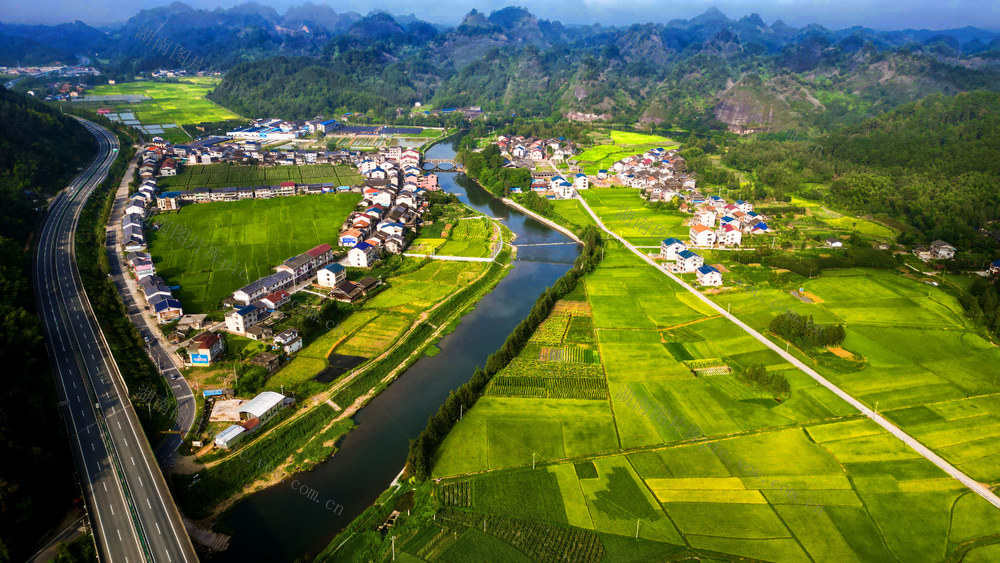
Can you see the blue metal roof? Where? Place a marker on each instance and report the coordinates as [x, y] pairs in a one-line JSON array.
[[686, 254], [707, 270], [672, 240]]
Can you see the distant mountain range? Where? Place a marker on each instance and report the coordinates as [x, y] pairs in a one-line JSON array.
[[708, 71]]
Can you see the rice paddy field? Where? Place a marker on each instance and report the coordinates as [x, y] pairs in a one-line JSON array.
[[233, 175], [623, 144], [598, 428], [379, 322], [213, 249], [173, 105], [471, 237], [623, 211], [912, 354]]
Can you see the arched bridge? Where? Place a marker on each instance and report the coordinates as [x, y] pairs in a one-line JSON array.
[[442, 165]]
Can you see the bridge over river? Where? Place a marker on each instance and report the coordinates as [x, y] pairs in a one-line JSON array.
[[442, 165]]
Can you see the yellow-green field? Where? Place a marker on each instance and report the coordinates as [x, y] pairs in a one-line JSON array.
[[181, 103], [624, 144]]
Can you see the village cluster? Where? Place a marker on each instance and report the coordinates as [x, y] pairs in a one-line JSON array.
[[394, 200]]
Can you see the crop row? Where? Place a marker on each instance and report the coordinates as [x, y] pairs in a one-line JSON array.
[[551, 330], [569, 354], [540, 541], [456, 494], [705, 363], [548, 387], [537, 368]]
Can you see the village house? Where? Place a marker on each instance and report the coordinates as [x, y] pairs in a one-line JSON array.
[[688, 261], [166, 309], [363, 255], [331, 275], [206, 348], [289, 340], [728, 235], [265, 285], [709, 276], [240, 319], [700, 235], [942, 250], [671, 247], [276, 300]]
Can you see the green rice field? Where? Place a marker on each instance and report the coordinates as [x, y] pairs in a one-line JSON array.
[[213, 249], [234, 175], [380, 321], [599, 426], [625, 144], [181, 103], [623, 211]]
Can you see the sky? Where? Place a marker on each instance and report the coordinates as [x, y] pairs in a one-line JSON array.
[[878, 14]]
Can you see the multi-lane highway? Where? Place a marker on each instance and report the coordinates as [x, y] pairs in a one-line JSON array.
[[132, 513]]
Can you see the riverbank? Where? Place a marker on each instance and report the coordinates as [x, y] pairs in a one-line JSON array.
[[541, 219], [280, 523]]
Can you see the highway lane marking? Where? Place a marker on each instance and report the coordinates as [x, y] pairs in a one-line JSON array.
[[105, 486], [92, 447], [117, 530], [149, 505], [157, 527], [119, 424], [113, 513], [140, 484], [132, 458]]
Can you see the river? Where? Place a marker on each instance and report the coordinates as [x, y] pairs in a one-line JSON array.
[[283, 524]]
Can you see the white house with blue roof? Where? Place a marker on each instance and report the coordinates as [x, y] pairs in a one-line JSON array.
[[671, 247], [363, 255], [581, 182], [688, 261], [709, 276]]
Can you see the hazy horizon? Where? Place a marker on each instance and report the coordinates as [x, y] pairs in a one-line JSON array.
[[892, 15]]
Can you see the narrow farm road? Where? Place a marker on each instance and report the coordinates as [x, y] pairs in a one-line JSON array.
[[937, 460]]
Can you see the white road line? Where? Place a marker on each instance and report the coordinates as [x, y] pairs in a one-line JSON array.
[[105, 486], [113, 513], [158, 528], [921, 449], [119, 424], [147, 503], [117, 530], [133, 460], [92, 448]]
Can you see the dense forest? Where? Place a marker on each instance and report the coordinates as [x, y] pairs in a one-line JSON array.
[[40, 150], [933, 165]]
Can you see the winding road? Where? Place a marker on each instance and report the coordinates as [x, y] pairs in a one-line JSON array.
[[921, 449], [132, 513]]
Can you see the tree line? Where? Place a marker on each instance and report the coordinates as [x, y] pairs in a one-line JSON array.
[[804, 332], [486, 168], [418, 460]]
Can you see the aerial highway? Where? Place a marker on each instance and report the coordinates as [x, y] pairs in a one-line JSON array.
[[132, 513]]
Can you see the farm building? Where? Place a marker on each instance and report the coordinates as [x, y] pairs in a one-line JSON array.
[[263, 406], [229, 437]]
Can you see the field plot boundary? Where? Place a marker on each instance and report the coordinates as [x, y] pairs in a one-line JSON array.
[[937, 460]]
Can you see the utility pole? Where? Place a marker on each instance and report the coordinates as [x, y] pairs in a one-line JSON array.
[[636, 528], [393, 548], [461, 411], [532, 460]]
